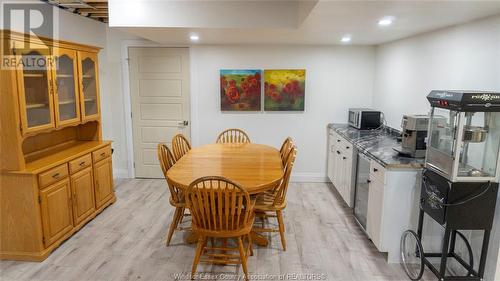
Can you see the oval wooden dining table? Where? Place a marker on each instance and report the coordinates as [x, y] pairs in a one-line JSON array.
[[256, 167]]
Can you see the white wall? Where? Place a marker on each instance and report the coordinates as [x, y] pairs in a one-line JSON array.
[[461, 57], [87, 31], [113, 99], [336, 78]]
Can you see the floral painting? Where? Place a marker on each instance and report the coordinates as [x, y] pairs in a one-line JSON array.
[[284, 89], [240, 89]]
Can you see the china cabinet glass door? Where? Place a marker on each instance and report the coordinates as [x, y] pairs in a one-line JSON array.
[[35, 88], [89, 86], [66, 85]]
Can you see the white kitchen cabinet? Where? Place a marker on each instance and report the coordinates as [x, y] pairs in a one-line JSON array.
[[375, 208], [337, 173], [347, 180], [331, 157], [332, 148], [392, 207], [341, 166]]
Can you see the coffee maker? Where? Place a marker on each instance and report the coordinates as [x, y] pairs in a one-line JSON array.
[[414, 136]]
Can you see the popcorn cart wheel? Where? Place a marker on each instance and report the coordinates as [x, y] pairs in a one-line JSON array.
[[414, 257]]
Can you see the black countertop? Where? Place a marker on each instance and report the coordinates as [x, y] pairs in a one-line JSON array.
[[378, 144]]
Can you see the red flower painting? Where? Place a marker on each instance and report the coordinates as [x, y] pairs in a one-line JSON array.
[[240, 90], [284, 89]]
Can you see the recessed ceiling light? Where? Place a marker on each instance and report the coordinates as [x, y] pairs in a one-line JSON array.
[[346, 39], [386, 21], [194, 37]]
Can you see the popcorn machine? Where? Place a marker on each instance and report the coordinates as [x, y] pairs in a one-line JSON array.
[[459, 181]]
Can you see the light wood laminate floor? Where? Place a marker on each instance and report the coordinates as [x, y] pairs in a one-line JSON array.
[[127, 242]]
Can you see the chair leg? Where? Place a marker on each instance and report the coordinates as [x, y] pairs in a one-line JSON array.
[[197, 255], [281, 225], [250, 247], [243, 257], [182, 215], [173, 225]]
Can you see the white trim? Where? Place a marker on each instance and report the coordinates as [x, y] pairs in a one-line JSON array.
[[193, 77], [309, 177], [127, 103]]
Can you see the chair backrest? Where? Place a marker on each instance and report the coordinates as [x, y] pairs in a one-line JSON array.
[[233, 136], [218, 204], [180, 146], [285, 149], [283, 187], [167, 160]]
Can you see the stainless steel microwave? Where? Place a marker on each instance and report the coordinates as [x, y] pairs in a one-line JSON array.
[[364, 118]]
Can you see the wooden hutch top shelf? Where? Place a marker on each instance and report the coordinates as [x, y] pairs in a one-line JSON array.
[[75, 150], [51, 112]]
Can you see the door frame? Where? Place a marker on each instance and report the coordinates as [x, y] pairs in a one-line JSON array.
[[127, 99]]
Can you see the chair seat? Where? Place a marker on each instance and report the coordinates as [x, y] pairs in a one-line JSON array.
[[242, 228]]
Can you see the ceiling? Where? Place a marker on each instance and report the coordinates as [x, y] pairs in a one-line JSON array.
[[309, 22], [94, 9]]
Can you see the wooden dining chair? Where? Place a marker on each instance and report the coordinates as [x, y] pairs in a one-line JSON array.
[[222, 209], [180, 146], [167, 160], [275, 201], [233, 136], [285, 149]]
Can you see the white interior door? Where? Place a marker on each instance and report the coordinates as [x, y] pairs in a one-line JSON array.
[[159, 88]]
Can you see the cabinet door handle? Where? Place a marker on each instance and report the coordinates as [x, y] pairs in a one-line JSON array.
[[338, 140], [82, 163], [338, 152], [103, 154], [343, 157], [368, 181], [347, 147], [56, 175], [375, 169]]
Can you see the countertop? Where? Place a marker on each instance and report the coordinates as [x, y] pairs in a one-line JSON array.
[[378, 144]]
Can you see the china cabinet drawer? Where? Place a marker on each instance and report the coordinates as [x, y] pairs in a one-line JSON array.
[[53, 175], [101, 154], [80, 163]]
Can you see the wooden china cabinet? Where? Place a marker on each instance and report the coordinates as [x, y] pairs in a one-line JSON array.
[[55, 169]]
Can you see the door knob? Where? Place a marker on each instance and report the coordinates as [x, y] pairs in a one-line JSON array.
[[184, 123]]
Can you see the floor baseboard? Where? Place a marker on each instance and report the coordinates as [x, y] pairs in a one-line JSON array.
[[120, 173], [308, 177]]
